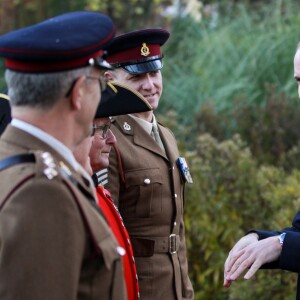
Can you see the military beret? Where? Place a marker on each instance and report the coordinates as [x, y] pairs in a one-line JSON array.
[[120, 99], [139, 51], [5, 113], [64, 42]]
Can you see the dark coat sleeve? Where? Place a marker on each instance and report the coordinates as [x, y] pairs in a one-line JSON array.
[[290, 256]]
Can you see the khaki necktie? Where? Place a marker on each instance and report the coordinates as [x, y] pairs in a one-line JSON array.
[[156, 136]]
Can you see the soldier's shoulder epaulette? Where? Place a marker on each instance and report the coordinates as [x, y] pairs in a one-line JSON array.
[[46, 165], [18, 169], [41, 163]]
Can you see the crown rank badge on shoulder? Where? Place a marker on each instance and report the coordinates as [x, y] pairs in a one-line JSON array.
[[184, 169]]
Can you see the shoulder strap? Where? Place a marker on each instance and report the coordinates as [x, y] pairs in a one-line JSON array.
[[30, 158], [16, 159]]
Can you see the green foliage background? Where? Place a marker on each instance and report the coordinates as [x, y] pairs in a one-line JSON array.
[[230, 97], [231, 195]]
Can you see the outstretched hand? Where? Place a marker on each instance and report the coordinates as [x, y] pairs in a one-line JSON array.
[[251, 253]]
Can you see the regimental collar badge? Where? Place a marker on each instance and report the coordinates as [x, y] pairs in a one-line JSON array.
[[126, 126], [145, 50]]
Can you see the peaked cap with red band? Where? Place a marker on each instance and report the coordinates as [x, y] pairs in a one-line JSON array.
[[138, 52], [61, 43]]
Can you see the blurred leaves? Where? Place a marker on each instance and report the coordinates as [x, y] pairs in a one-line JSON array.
[[230, 63], [270, 129], [127, 15], [232, 194]]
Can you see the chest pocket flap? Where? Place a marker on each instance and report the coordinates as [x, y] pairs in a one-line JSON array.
[[143, 177], [144, 191]]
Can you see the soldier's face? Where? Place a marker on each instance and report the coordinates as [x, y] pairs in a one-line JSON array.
[[148, 84], [99, 153], [297, 69], [81, 154]]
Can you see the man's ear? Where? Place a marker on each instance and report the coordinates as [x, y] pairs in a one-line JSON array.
[[108, 75], [77, 95]]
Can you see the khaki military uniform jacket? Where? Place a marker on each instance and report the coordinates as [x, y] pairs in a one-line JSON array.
[[149, 191], [53, 244]]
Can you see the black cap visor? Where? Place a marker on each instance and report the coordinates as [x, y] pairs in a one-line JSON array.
[[145, 67], [120, 99]]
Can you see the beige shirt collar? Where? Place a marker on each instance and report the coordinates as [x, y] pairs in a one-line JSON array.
[[147, 126]]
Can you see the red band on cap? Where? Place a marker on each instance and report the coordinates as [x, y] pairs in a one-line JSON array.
[[134, 53], [42, 66]]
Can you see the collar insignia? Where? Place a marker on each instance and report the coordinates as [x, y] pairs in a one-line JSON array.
[[126, 126]]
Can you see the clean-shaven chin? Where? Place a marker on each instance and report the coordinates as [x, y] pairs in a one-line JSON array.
[[153, 100]]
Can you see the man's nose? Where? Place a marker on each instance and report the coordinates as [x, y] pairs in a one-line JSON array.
[[111, 139], [148, 82]]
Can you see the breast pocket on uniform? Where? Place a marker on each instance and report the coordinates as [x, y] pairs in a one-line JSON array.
[[146, 186]]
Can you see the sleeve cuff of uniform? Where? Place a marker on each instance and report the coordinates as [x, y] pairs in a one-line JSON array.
[[290, 255]]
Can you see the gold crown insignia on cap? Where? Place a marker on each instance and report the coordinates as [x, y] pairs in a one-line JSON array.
[[145, 50]]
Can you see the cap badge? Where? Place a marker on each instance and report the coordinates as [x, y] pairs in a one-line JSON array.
[[126, 126], [145, 50]]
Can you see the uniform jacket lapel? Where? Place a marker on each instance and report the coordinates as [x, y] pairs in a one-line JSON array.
[[168, 140], [140, 136]]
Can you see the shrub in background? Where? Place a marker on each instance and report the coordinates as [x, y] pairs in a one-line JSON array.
[[232, 194], [236, 77], [270, 129], [230, 63]]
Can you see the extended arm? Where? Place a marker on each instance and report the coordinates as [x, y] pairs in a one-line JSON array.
[[250, 254]]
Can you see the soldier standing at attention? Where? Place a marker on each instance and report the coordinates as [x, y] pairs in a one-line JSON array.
[[146, 175], [54, 243]]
